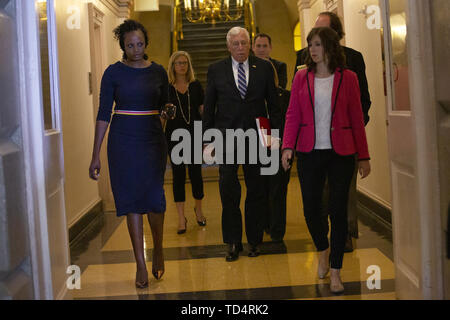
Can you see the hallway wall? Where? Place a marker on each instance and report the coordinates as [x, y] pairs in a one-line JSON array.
[[158, 24], [78, 121], [368, 42], [273, 18]]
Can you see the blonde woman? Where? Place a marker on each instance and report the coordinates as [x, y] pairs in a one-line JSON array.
[[187, 94]]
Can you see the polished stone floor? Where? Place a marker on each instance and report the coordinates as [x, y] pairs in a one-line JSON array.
[[195, 266]]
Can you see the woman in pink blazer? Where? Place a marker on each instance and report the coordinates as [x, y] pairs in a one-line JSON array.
[[324, 124]]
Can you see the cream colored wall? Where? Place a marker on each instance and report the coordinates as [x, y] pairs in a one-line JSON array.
[[158, 24], [368, 42], [81, 193], [317, 7], [309, 15], [273, 18]]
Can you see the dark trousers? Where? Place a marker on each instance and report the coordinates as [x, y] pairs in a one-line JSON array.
[[276, 196], [179, 181], [352, 208], [313, 169], [230, 194]]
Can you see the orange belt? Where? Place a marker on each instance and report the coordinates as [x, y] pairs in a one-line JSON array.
[[137, 113]]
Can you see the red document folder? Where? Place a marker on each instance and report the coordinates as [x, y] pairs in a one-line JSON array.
[[263, 127]]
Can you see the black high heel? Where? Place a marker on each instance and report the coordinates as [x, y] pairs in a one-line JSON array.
[[181, 231], [200, 223], [156, 273]]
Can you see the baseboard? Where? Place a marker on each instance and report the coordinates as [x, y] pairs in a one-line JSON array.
[[79, 227], [375, 211]]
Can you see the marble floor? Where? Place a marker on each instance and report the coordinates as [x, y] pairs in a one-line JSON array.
[[195, 266]]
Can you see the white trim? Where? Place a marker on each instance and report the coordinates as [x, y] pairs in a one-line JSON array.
[[421, 80], [374, 197], [53, 69], [313, 2], [33, 146], [63, 293], [84, 211]]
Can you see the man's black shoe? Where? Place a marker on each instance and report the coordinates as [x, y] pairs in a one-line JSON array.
[[254, 251], [233, 252]]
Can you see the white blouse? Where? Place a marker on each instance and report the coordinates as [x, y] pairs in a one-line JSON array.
[[323, 88]]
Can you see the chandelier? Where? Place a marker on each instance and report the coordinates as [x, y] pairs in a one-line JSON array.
[[211, 10]]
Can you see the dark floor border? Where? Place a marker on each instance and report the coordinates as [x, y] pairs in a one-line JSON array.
[[374, 211], [82, 225], [319, 290], [207, 251]]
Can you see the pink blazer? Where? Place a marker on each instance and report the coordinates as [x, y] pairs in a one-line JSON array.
[[348, 135]]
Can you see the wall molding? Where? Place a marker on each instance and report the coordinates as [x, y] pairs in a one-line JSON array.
[[82, 225], [303, 4], [374, 197], [375, 211], [121, 8]]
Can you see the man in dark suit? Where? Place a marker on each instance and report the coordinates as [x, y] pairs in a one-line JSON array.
[[355, 62], [237, 91], [276, 185], [262, 48]]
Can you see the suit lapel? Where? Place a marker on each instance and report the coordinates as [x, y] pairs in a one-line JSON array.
[[251, 75], [230, 75], [310, 80]]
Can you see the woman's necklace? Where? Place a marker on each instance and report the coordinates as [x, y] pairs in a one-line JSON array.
[[188, 121]]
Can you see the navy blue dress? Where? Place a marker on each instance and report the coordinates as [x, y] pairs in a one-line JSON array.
[[137, 149]]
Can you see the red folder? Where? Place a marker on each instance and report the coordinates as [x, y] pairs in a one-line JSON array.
[[263, 127]]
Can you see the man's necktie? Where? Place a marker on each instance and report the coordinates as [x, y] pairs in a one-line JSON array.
[[242, 81]]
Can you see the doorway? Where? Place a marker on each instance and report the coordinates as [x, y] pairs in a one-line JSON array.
[[96, 37]]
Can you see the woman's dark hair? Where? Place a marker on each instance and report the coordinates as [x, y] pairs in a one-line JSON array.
[[333, 51], [129, 26], [335, 23]]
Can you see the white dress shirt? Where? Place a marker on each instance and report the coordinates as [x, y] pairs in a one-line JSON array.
[[235, 71], [323, 89]]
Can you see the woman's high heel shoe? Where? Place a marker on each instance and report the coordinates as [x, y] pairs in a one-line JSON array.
[[181, 231], [141, 284], [157, 273], [200, 223]]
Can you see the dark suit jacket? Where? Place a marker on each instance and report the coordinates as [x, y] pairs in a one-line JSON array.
[[281, 72], [223, 106], [355, 62]]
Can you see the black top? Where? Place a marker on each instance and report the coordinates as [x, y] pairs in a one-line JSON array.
[[196, 96], [355, 62]]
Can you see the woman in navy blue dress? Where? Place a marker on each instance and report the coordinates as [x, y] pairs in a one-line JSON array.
[[137, 150]]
